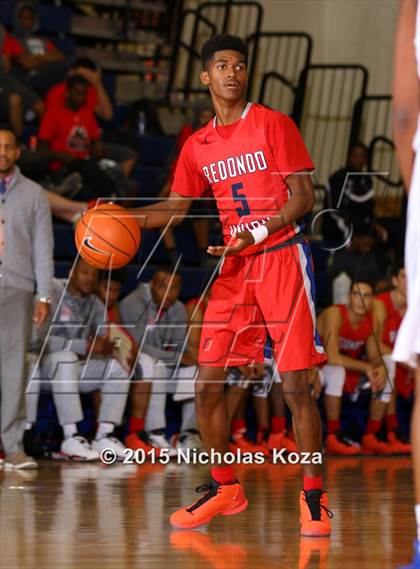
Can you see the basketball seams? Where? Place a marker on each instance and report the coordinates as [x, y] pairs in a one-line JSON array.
[[86, 227], [105, 240], [125, 226]]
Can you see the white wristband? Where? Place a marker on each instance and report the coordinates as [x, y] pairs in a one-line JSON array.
[[259, 234]]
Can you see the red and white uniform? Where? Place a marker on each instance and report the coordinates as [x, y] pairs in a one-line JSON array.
[[246, 165], [403, 381], [352, 343]]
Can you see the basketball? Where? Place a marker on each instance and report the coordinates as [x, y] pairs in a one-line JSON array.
[[107, 237]]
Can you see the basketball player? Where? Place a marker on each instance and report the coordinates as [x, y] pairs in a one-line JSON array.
[[257, 166], [407, 138], [348, 333], [390, 308]]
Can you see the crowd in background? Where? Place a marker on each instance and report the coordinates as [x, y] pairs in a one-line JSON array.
[[65, 345]]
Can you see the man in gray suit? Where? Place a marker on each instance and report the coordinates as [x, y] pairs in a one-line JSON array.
[[26, 268]]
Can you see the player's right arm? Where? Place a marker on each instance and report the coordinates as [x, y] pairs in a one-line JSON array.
[[329, 327], [406, 90], [188, 183], [169, 212]]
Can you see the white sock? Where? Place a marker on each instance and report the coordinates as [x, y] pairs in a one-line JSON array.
[[69, 430], [104, 430], [417, 511], [28, 426]]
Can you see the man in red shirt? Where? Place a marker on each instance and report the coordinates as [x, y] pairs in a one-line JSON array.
[[96, 99], [71, 134], [98, 102], [257, 166], [351, 337]]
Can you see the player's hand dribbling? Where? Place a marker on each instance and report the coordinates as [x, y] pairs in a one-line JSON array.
[[237, 244]]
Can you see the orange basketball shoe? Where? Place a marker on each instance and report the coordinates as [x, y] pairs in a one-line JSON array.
[[281, 440], [246, 445], [337, 443], [224, 499], [140, 441], [371, 444], [314, 514], [398, 442]]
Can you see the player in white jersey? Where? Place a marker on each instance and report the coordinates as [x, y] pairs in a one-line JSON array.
[[407, 139]]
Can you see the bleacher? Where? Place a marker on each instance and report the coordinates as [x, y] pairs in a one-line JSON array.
[[152, 49]]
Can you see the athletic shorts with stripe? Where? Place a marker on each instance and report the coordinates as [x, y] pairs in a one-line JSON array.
[[271, 293]]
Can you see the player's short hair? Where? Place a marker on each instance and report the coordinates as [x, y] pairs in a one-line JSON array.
[[362, 280], [76, 80], [358, 144], [167, 270], [397, 266], [28, 7], [84, 62], [117, 276], [221, 42]]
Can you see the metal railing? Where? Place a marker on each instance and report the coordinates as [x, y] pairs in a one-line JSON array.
[[196, 27], [372, 125], [279, 60], [323, 110]]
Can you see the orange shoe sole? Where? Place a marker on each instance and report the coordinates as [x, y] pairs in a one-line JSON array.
[[237, 510]]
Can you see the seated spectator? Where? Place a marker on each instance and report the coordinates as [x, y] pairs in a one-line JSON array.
[[15, 98], [37, 62], [109, 291], [359, 257], [158, 322], [71, 134], [390, 308], [98, 101], [350, 191], [75, 357], [202, 115], [355, 363]]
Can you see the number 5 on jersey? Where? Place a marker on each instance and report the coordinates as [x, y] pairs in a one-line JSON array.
[[244, 209]]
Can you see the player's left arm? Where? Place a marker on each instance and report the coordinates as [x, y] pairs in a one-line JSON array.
[[301, 200], [378, 375]]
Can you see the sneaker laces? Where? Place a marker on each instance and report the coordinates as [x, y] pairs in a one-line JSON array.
[[211, 491], [80, 439], [313, 499]]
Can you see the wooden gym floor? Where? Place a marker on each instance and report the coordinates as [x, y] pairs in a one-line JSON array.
[[81, 516]]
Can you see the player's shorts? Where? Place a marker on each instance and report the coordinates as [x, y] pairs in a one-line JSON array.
[[271, 293], [260, 387], [404, 382]]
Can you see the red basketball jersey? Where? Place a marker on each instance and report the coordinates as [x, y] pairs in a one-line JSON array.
[[392, 321], [403, 380], [353, 340], [246, 165]]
